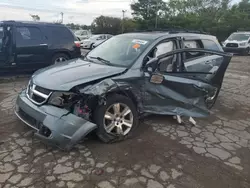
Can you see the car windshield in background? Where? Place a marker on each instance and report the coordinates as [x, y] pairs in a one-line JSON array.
[[81, 32], [119, 50], [239, 37], [94, 36]]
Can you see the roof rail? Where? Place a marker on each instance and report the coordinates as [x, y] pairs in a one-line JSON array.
[[172, 30]]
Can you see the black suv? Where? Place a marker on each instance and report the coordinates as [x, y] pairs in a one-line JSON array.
[[32, 45], [119, 80]]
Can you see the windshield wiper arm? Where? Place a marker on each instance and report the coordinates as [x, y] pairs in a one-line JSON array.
[[101, 59]]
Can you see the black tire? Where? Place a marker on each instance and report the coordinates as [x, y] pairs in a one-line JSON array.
[[212, 103], [59, 55], [246, 52], [99, 116], [91, 46]]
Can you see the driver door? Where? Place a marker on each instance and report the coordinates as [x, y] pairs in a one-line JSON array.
[[190, 88]]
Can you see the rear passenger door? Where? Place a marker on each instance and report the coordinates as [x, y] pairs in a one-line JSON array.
[[31, 47]]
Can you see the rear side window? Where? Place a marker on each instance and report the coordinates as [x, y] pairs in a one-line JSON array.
[[192, 44], [210, 45], [59, 33]]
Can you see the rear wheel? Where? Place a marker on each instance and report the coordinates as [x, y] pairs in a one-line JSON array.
[[117, 119], [59, 58]]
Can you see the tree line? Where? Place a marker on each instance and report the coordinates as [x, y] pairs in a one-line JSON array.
[[217, 17]]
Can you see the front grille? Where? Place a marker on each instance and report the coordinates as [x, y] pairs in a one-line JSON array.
[[37, 98], [232, 45], [42, 90], [37, 94], [26, 117]]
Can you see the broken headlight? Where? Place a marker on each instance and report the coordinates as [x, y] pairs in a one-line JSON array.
[[62, 99]]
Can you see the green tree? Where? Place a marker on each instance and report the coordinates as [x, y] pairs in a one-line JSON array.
[[146, 12], [106, 24]]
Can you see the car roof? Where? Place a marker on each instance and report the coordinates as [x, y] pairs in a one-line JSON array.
[[243, 32], [12, 22], [155, 35]]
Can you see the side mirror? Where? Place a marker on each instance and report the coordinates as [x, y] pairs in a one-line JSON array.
[[151, 65]]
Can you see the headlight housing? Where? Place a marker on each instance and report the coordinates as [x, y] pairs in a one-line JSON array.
[[243, 44], [62, 99]]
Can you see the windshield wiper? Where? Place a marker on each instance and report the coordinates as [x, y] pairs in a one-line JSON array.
[[101, 59]]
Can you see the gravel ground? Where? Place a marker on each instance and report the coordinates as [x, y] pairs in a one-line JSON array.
[[215, 153]]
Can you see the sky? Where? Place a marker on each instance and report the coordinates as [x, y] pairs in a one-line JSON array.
[[75, 11]]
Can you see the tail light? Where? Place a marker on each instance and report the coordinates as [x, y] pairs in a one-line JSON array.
[[78, 44]]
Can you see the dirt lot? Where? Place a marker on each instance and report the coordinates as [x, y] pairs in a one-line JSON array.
[[215, 153]]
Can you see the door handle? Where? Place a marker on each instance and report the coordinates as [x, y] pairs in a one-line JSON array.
[[43, 44], [208, 62]]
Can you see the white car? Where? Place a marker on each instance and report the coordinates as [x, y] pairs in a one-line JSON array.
[[238, 42], [94, 41], [83, 34]]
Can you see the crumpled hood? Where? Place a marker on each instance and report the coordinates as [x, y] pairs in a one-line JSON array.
[[64, 76]]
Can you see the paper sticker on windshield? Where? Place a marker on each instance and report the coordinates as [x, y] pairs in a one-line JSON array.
[[143, 42], [135, 46]]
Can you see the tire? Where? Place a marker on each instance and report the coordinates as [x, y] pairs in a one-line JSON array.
[[246, 52], [212, 103], [61, 56], [99, 114], [91, 46]]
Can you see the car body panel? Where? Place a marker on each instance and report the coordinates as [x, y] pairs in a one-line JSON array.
[[71, 73], [178, 93], [66, 129]]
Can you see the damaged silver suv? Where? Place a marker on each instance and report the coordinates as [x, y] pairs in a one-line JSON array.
[[170, 73]]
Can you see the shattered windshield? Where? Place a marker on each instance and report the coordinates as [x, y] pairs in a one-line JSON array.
[[239, 36], [120, 50]]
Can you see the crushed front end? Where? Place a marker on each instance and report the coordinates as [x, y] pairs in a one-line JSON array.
[[56, 122]]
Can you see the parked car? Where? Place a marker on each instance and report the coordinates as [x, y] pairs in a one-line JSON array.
[[94, 40], [33, 45], [168, 73], [83, 34], [238, 42], [98, 42]]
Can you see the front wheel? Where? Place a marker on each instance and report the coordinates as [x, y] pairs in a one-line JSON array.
[[117, 119]]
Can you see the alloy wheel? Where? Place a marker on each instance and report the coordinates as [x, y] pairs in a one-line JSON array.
[[118, 119]]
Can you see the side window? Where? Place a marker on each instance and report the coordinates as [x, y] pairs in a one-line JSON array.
[[188, 56], [203, 67], [28, 36], [210, 45], [166, 64], [58, 34]]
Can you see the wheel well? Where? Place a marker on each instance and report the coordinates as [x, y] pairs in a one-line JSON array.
[[66, 53], [126, 93]]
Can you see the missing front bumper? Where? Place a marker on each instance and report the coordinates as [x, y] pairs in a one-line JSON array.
[[53, 126]]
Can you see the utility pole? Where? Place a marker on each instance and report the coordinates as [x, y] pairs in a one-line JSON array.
[[156, 17], [123, 15], [62, 16]]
